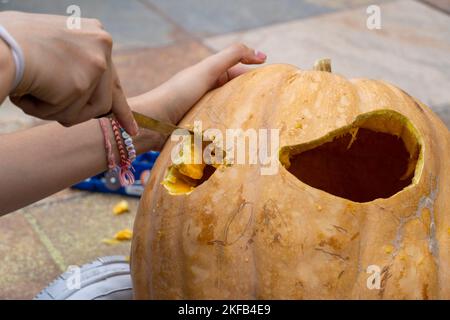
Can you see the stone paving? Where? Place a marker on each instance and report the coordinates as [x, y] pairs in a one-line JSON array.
[[156, 38]]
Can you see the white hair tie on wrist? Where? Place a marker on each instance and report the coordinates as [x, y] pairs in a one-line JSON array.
[[17, 55]]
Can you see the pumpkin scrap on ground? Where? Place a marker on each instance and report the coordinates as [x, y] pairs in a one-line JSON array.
[[122, 235], [110, 241], [121, 207], [363, 184]]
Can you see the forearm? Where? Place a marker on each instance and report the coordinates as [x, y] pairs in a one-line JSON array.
[[7, 70], [45, 159]]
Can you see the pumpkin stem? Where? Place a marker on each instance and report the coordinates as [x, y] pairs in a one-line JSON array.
[[322, 65]]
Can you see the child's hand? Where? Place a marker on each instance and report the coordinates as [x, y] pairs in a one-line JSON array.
[[183, 90], [191, 84]]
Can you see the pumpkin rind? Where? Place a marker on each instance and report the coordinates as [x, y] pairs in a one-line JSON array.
[[243, 235]]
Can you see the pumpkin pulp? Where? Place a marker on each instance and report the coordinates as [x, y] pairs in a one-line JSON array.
[[185, 176]]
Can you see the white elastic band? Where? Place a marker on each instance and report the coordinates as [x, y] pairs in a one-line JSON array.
[[17, 55]]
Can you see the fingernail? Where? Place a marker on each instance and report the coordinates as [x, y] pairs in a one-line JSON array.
[[260, 55]]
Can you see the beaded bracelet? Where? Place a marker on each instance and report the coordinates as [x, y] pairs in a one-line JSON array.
[[128, 144], [126, 176]]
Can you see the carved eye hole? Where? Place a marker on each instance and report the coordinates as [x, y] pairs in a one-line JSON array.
[[374, 157], [184, 177]]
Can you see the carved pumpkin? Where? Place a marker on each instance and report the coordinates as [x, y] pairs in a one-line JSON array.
[[359, 207]]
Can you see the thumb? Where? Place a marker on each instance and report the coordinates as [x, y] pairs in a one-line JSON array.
[[120, 107]]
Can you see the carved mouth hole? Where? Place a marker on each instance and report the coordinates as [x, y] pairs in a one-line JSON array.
[[370, 159]]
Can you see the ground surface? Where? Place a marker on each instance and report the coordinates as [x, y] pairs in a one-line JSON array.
[[156, 38]]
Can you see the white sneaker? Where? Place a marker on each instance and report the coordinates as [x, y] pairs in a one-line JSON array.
[[107, 278]]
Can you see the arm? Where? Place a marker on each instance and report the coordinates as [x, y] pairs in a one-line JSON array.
[[43, 160]]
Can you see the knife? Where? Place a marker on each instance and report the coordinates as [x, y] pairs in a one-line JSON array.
[[146, 122], [165, 128]]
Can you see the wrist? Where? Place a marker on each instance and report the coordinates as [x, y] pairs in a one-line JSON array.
[[153, 103], [159, 103], [7, 68], [17, 36]]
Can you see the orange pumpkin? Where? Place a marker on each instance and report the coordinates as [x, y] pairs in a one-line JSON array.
[[359, 207]]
